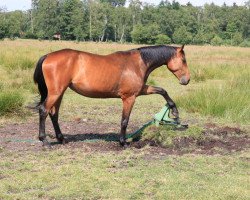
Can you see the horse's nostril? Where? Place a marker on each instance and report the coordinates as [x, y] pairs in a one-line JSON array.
[[184, 80]]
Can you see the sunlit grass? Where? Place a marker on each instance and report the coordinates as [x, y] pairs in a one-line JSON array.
[[228, 100], [11, 102], [74, 174]]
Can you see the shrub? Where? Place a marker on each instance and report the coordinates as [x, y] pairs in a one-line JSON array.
[[162, 39], [216, 41], [245, 43], [145, 34], [237, 39]]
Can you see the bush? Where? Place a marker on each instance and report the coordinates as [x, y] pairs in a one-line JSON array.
[[145, 34], [10, 102], [237, 39], [162, 39], [245, 43], [216, 41], [30, 35]]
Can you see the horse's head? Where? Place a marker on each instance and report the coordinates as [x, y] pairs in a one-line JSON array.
[[178, 66]]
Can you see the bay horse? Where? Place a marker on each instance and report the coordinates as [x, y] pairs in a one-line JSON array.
[[122, 74]]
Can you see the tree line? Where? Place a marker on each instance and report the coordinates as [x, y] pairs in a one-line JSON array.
[[134, 21]]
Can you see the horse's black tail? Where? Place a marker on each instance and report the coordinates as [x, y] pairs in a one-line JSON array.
[[39, 80]]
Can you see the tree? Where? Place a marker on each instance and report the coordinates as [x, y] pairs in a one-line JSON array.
[[111, 20], [182, 36], [46, 22], [15, 21], [72, 20], [3, 24], [114, 3]]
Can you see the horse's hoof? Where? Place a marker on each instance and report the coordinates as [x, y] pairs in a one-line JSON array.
[[125, 144], [176, 114], [61, 139], [46, 144]]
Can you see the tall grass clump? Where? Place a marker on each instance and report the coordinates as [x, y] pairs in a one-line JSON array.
[[11, 102], [229, 100], [166, 135]]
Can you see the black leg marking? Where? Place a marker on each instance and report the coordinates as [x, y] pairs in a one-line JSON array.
[[59, 135], [42, 118]]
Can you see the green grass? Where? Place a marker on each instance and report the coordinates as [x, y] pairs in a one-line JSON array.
[[165, 136], [228, 100], [73, 174], [11, 102]]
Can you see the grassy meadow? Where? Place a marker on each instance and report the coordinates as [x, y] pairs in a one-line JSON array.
[[218, 93]]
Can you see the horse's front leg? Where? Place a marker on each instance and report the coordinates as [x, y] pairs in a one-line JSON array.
[[127, 107], [147, 89]]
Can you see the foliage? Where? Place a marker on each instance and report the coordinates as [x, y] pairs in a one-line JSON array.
[[111, 20], [182, 36], [162, 39], [237, 39], [145, 34], [216, 41]]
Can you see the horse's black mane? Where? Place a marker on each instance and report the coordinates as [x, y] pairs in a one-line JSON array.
[[156, 55]]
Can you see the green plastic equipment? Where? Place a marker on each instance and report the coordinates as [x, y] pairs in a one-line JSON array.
[[162, 118]]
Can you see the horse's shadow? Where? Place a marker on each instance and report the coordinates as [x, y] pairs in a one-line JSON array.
[[109, 137], [90, 137]]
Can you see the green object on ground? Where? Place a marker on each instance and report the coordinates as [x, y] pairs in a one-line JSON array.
[[160, 118]]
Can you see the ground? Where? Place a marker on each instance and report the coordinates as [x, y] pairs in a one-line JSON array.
[[104, 137]]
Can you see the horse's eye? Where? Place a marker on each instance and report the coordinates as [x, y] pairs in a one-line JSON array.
[[184, 60]]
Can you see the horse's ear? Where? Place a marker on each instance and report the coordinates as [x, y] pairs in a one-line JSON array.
[[182, 47]]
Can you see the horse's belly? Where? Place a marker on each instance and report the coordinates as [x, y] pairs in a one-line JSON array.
[[100, 92]]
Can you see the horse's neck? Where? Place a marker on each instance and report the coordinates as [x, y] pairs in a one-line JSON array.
[[156, 56], [150, 69]]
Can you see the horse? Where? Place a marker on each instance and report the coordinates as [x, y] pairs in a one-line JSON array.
[[122, 74]]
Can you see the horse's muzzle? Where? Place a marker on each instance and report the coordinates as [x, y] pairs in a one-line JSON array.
[[184, 80]]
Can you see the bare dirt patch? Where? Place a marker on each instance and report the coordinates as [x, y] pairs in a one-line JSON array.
[[103, 137]]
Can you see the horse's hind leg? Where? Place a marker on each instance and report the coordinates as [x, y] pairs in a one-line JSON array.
[[44, 110], [54, 118]]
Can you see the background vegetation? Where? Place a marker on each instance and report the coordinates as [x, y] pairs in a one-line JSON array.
[[137, 22]]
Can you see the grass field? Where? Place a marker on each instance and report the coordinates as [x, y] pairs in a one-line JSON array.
[[218, 93]]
